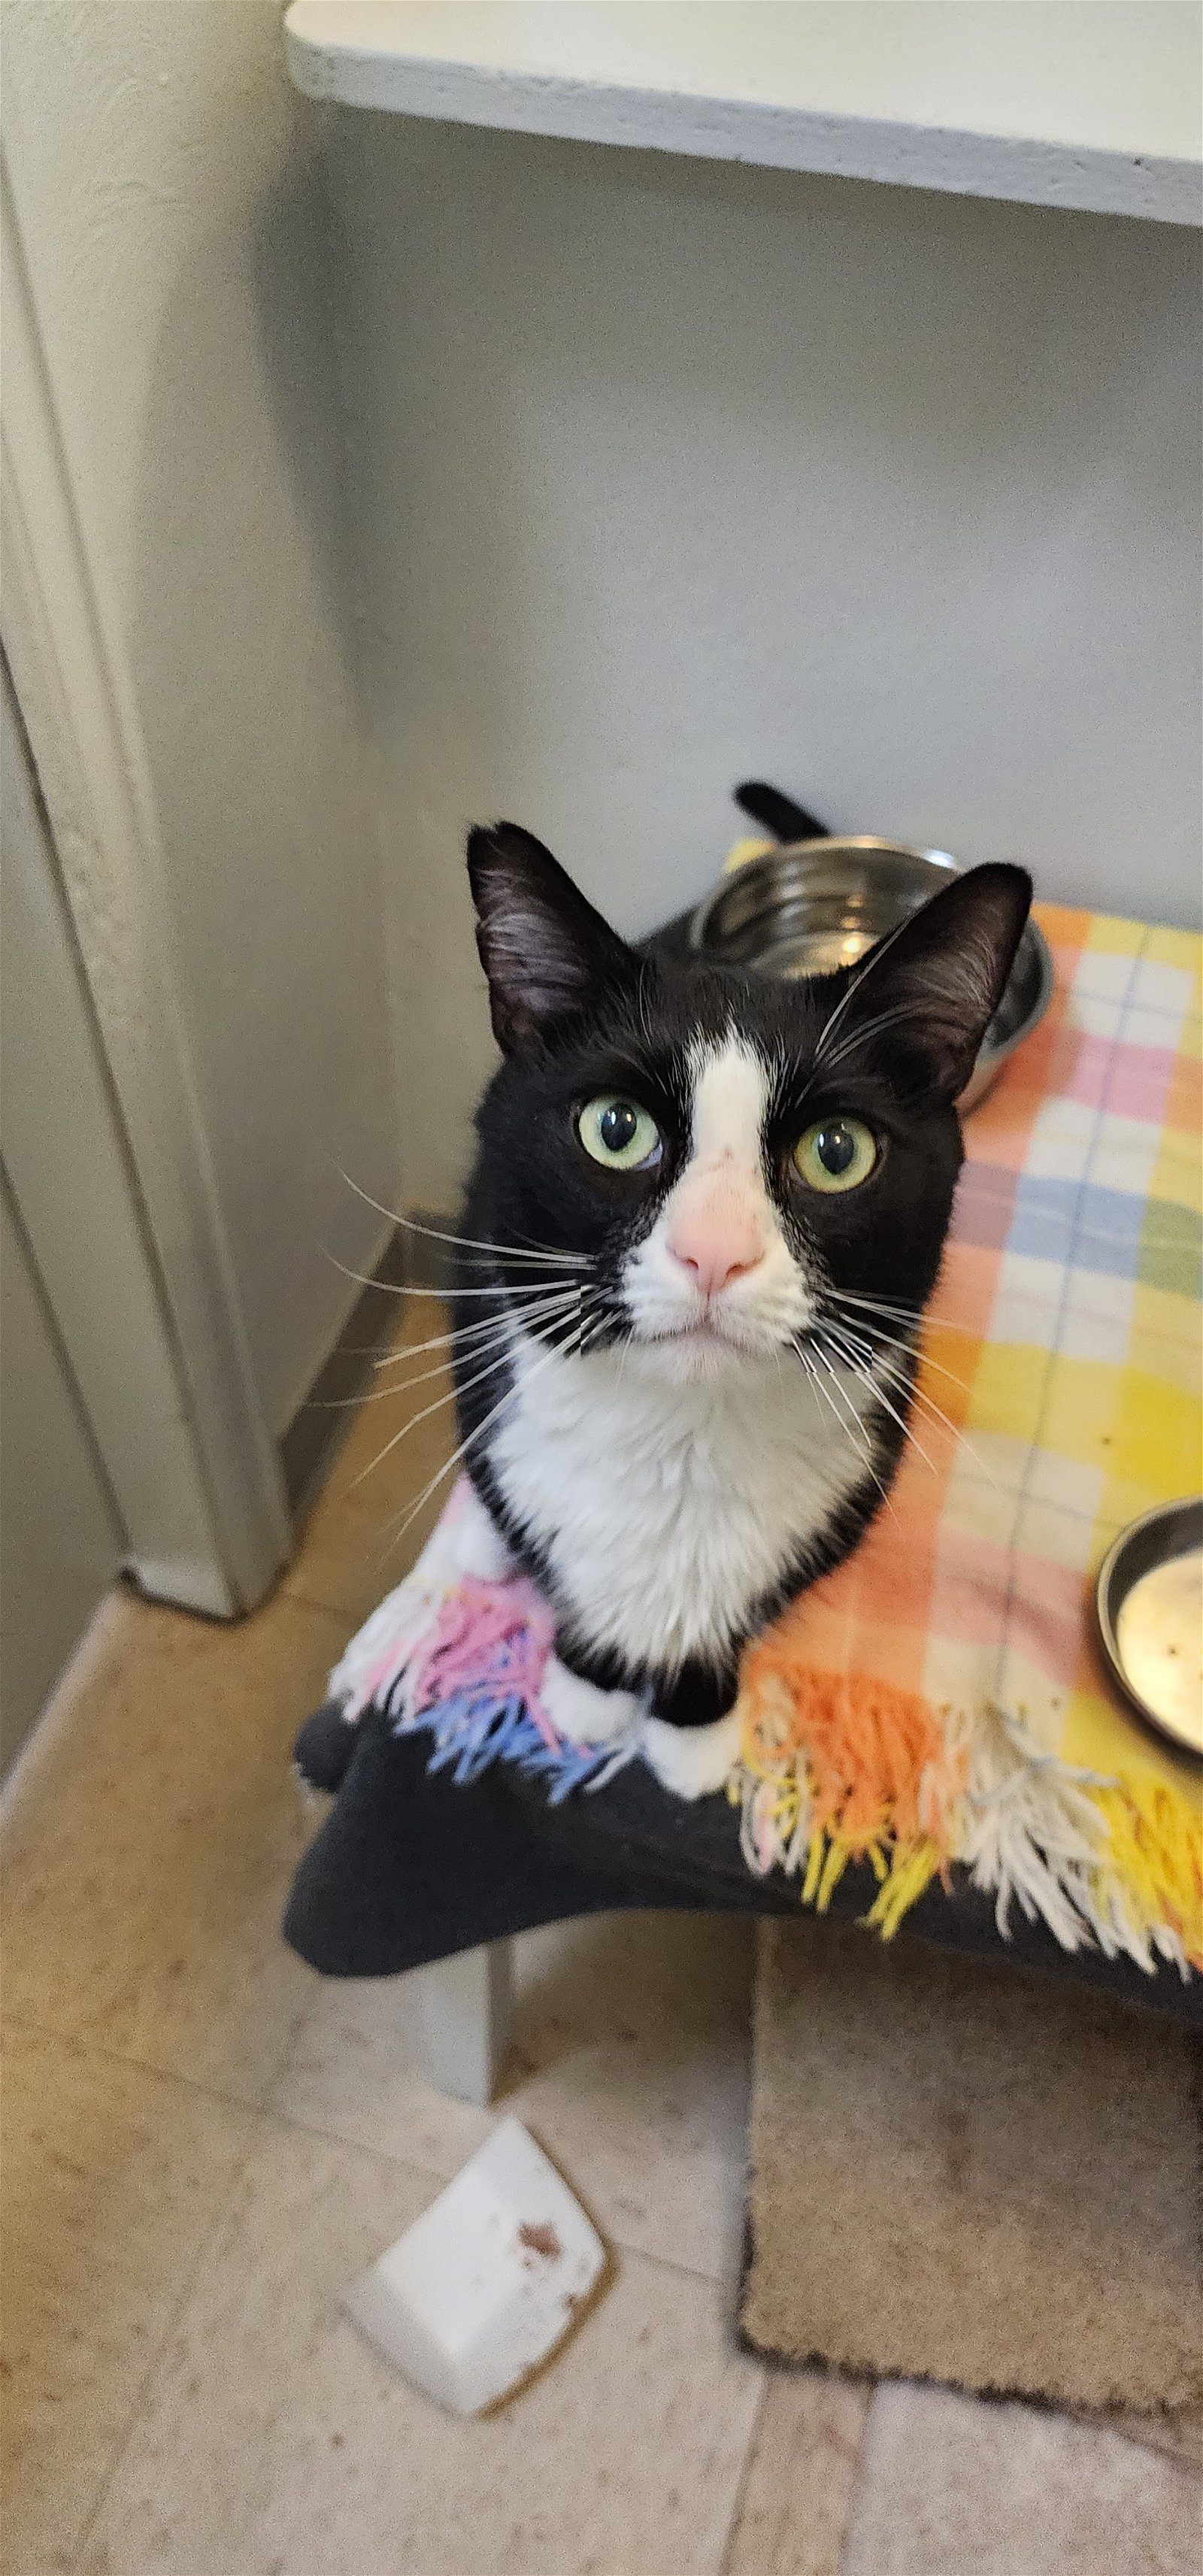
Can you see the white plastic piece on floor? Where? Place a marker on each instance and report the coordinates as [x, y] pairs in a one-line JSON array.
[[487, 2281]]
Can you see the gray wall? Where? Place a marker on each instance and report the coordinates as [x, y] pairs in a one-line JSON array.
[[187, 277], [60, 1543], [668, 472]]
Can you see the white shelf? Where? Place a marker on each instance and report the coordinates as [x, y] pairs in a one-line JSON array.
[[1092, 104]]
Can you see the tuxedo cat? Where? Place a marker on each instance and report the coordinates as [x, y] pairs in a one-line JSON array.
[[705, 1214]]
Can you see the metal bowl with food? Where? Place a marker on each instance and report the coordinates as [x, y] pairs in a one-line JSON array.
[[807, 907], [1149, 1601]]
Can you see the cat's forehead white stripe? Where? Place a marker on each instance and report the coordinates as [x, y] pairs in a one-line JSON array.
[[730, 1097]]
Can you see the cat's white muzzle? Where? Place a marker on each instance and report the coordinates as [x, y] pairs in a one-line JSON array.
[[687, 1332]]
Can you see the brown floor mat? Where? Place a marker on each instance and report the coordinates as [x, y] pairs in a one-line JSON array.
[[963, 2173]]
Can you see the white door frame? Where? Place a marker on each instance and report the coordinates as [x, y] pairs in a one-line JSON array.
[[77, 702]]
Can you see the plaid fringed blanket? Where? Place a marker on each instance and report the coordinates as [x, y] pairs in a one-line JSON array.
[[938, 1706], [903, 1707]]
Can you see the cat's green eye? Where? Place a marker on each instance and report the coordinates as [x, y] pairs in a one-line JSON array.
[[835, 1154], [618, 1133]]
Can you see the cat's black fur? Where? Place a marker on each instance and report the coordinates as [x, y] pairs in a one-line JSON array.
[[576, 1011]]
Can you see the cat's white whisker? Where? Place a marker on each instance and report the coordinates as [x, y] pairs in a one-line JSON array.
[[860, 1434], [873, 1337], [896, 1314], [841, 1399], [532, 1323], [881, 1305], [443, 1296], [826, 1057], [458, 1335], [824, 1394], [462, 1242], [424, 1416], [466, 1337], [844, 1408], [453, 1352], [498, 1253], [535, 1321], [826, 1062], [868, 1351], [920, 1395], [906, 1387], [882, 1398], [868, 1362], [930, 1407], [396, 1534], [874, 960], [456, 1389]]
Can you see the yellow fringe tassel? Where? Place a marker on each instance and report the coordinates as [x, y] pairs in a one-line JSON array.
[[838, 1768], [909, 1873], [902, 1872], [1155, 1851]]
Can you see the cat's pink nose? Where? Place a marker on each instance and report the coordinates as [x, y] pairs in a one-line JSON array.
[[716, 1243]]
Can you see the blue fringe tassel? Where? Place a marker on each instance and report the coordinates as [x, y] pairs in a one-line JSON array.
[[476, 1729]]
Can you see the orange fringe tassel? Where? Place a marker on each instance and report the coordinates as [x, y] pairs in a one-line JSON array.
[[877, 1756], [866, 1769]]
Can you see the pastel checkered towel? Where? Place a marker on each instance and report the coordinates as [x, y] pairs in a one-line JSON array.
[[940, 1699]]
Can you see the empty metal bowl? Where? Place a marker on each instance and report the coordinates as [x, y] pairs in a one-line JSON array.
[[1171, 1530], [808, 907]]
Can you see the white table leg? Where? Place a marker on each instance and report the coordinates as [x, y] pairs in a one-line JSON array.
[[465, 2014]]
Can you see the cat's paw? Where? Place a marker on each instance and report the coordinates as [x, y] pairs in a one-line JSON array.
[[581, 1712], [691, 1761], [465, 1541], [476, 1546]]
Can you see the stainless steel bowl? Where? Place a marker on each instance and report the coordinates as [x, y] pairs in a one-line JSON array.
[[1171, 1530], [811, 906]]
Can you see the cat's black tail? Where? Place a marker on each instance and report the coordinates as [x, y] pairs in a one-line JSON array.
[[778, 813]]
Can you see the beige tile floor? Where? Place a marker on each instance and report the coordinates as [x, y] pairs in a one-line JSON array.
[[203, 2142]]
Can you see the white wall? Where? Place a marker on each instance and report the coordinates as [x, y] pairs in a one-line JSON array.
[[660, 472], [666, 473], [174, 208]]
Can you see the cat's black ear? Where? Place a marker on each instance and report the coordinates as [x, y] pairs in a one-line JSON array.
[[543, 947], [925, 997]]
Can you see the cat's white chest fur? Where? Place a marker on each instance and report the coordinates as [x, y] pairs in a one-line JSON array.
[[665, 1510]]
